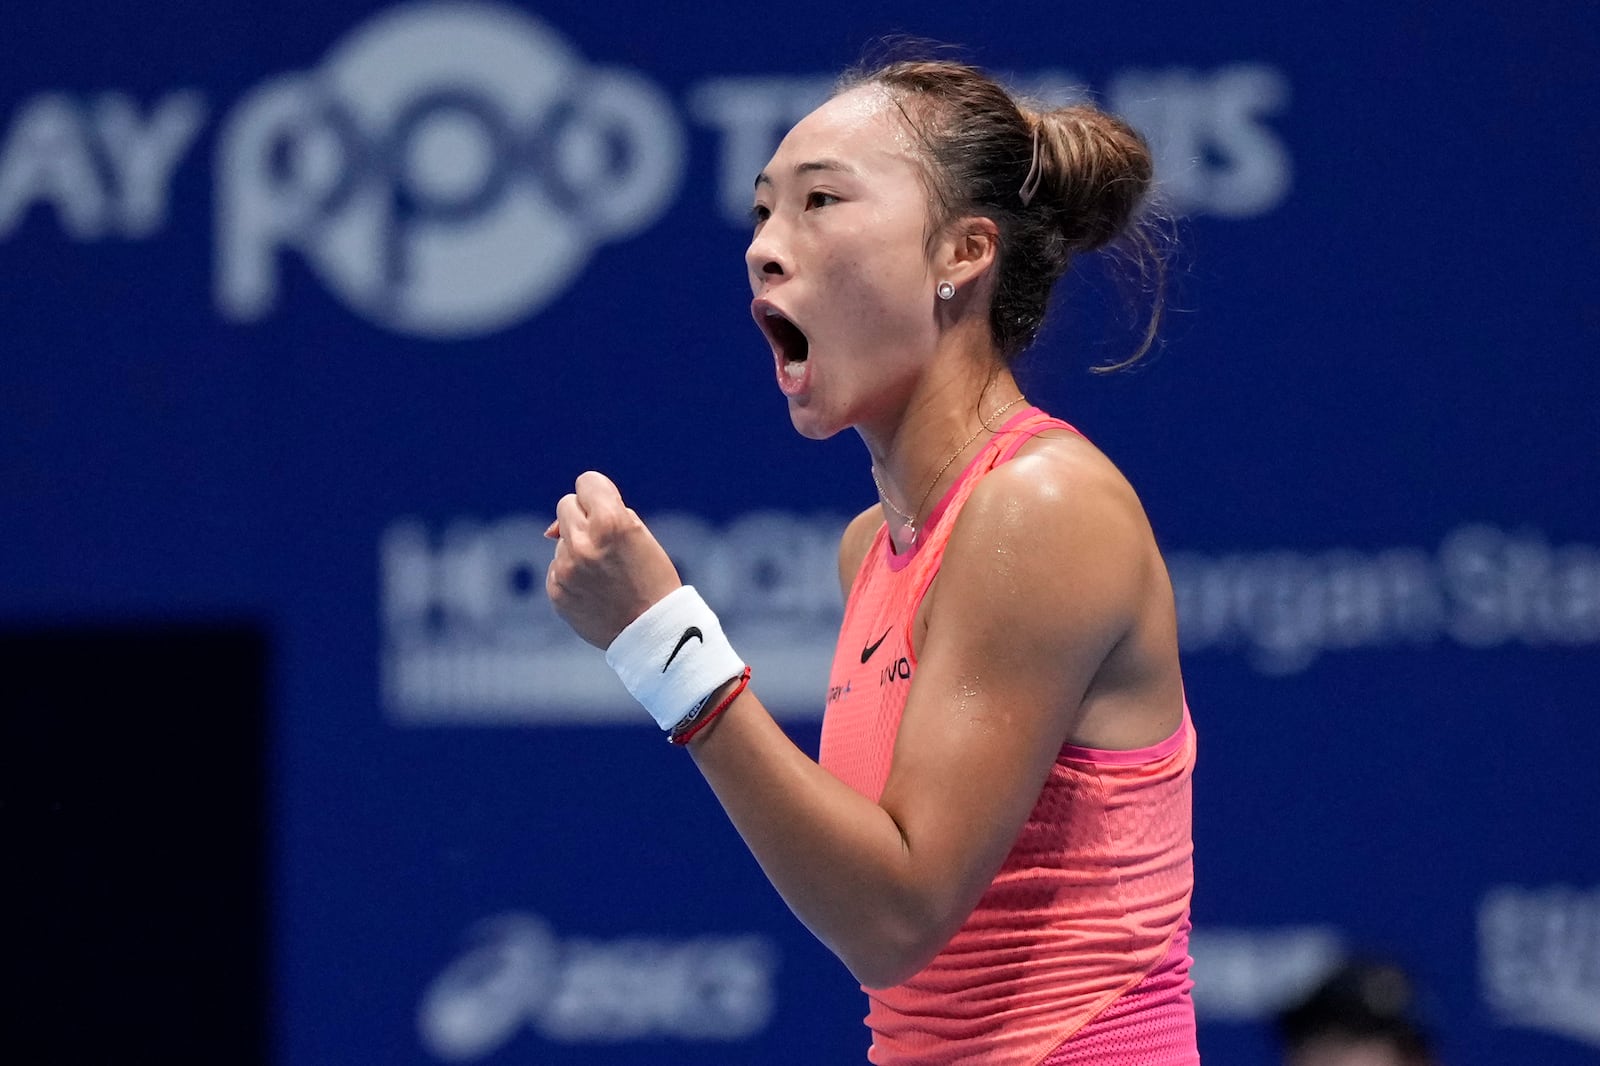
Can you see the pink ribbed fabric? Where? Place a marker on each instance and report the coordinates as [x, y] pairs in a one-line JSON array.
[[1093, 899], [1151, 1024]]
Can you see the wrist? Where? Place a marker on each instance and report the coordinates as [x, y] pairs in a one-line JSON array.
[[698, 724], [674, 657]]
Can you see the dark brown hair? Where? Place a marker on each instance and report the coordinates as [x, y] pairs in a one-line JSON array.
[[1084, 190]]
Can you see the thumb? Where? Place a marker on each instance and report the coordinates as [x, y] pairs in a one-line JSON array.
[[594, 489]]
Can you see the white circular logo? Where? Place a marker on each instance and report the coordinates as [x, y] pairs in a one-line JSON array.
[[447, 171]]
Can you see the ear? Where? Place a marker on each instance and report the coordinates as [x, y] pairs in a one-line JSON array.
[[968, 251]]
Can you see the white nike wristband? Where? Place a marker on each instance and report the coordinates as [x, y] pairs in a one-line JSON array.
[[674, 656]]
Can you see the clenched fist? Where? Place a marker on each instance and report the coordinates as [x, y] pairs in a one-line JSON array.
[[608, 569]]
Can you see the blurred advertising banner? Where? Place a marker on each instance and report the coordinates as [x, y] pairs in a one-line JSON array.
[[310, 318]]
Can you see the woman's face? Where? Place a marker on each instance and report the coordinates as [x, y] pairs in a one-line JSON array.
[[839, 264]]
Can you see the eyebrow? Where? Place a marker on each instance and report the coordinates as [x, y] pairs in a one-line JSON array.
[[806, 168]]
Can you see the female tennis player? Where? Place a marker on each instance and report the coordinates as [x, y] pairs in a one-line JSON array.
[[996, 838]]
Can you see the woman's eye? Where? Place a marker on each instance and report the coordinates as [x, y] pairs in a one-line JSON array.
[[759, 214], [820, 199]]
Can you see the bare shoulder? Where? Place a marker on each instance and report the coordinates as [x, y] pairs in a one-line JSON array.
[[1057, 527], [1059, 489], [854, 544]]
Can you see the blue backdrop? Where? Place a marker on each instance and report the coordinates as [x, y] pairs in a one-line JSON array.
[[309, 314]]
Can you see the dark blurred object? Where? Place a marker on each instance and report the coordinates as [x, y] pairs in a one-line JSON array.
[[1364, 1014], [132, 800]]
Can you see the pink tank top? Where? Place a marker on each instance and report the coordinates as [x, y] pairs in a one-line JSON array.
[[1077, 952]]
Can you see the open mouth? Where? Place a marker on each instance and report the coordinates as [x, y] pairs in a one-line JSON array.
[[789, 342]]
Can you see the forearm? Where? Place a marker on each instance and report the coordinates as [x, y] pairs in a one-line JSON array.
[[847, 869], [839, 860]]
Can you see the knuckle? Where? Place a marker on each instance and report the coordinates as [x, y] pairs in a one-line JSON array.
[[561, 572], [603, 530]]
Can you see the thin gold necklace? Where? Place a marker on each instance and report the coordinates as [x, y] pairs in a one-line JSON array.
[[908, 522]]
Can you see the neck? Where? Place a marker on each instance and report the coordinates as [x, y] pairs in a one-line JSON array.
[[949, 416]]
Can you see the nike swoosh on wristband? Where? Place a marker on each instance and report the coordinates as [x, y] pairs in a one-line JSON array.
[[692, 633], [866, 653]]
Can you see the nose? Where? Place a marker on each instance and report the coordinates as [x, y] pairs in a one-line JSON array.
[[766, 259]]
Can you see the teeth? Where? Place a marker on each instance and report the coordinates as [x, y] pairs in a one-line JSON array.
[[794, 371]]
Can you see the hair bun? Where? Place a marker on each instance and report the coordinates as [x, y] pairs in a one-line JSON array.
[[1052, 182], [1094, 171]]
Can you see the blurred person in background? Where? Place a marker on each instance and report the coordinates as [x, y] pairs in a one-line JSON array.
[[1361, 1015]]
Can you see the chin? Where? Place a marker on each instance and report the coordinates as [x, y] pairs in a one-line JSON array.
[[810, 423]]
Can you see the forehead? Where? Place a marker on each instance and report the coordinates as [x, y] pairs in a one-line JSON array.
[[863, 128]]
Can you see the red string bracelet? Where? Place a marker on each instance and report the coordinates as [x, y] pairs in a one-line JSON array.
[[706, 719]]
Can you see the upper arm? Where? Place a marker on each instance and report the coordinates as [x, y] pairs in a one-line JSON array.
[[854, 544], [1042, 577]]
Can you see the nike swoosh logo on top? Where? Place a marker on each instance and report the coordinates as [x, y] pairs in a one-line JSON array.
[[692, 633], [866, 653]]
